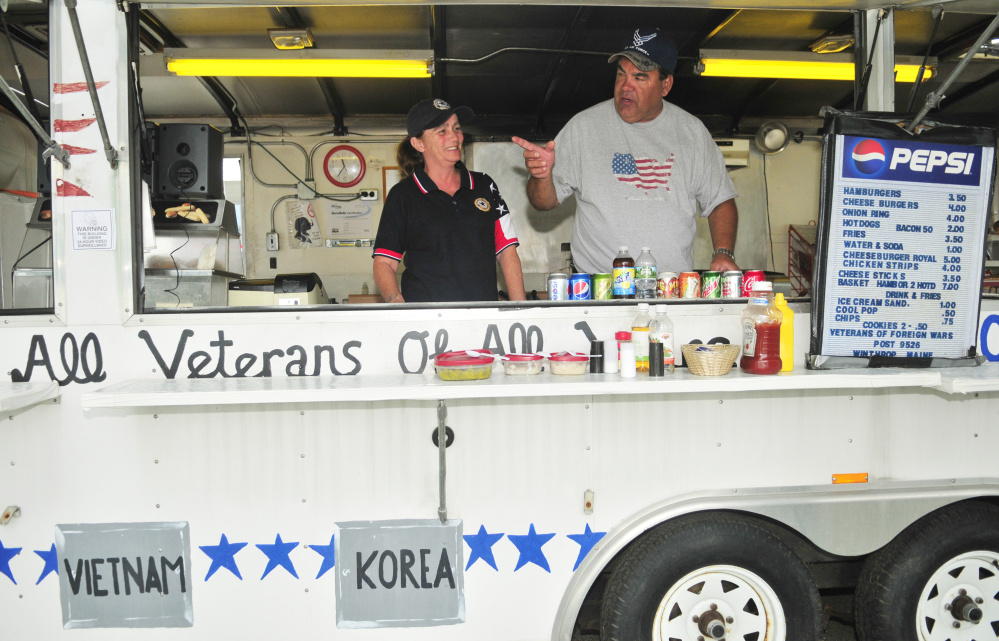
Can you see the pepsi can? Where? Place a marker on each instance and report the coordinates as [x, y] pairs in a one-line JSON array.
[[580, 287], [558, 286]]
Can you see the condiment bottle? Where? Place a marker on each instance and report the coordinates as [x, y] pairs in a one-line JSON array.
[[761, 332], [640, 337], [624, 274], [786, 333], [628, 364], [661, 331], [620, 337]]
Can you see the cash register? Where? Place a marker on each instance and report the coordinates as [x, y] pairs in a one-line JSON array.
[[283, 289]]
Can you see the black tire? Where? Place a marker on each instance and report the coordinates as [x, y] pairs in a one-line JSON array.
[[758, 572], [904, 588]]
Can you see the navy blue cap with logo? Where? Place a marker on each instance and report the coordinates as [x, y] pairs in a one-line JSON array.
[[648, 49], [431, 113]]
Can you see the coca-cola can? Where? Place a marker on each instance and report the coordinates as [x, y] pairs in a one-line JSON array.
[[668, 285], [731, 284], [748, 278], [690, 285]]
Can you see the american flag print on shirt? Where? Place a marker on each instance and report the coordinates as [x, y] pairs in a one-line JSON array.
[[644, 173]]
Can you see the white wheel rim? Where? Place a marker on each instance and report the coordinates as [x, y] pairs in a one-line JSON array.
[[748, 605], [977, 574]]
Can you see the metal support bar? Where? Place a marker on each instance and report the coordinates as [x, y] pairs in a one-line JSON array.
[[937, 19], [441, 458], [557, 64], [292, 18], [52, 148], [438, 37], [74, 20], [935, 97]]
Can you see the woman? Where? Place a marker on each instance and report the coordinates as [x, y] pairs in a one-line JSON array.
[[449, 223]]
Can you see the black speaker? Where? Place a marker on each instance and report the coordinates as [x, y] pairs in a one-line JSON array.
[[187, 162]]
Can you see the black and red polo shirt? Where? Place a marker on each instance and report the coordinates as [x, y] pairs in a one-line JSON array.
[[449, 243]]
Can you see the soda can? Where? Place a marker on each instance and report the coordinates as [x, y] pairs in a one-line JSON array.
[[558, 286], [731, 284], [603, 287], [711, 285], [748, 278], [579, 287], [690, 285], [668, 285]]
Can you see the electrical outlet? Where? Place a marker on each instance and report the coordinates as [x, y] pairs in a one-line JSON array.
[[369, 194], [272, 241]]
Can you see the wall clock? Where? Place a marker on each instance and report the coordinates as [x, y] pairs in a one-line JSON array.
[[344, 166]]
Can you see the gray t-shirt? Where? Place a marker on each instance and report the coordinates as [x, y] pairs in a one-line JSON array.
[[639, 185]]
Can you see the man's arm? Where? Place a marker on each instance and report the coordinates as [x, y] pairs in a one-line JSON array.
[[384, 270], [539, 162], [513, 274], [723, 222]]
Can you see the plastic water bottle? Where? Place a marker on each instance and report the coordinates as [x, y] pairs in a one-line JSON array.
[[645, 275]]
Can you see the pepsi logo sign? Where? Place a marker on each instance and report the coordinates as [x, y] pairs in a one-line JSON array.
[[868, 156], [911, 161]]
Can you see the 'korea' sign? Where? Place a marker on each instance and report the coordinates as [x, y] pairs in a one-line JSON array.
[[402, 573]]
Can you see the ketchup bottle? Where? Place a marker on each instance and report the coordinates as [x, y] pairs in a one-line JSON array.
[[624, 274], [761, 332]]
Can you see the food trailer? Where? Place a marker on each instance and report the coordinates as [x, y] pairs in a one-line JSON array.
[[208, 421]]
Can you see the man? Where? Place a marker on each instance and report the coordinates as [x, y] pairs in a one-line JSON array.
[[640, 168]]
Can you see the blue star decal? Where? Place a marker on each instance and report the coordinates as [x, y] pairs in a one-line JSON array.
[[6, 554], [277, 554], [329, 556], [51, 562], [481, 545], [586, 541], [529, 546], [223, 555]]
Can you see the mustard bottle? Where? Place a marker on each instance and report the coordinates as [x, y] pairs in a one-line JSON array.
[[786, 334]]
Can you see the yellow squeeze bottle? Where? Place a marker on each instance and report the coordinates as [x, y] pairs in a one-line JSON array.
[[786, 334]]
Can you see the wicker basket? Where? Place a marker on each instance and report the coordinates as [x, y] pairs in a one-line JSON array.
[[710, 360]]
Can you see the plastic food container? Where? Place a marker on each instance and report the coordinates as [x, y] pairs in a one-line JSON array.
[[569, 363], [523, 364], [463, 366]]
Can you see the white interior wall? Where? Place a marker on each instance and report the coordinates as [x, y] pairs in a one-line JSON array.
[[785, 186]]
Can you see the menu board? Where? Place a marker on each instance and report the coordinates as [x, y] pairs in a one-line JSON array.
[[903, 232]]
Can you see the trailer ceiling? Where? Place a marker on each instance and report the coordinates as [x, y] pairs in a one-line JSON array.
[[524, 92]]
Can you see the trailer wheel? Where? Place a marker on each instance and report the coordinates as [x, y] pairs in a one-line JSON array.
[[937, 580], [710, 576]]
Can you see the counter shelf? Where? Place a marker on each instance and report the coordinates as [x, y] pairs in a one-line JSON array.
[[16, 396], [423, 387]]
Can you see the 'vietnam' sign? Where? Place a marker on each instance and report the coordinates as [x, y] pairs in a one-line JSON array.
[[125, 575]]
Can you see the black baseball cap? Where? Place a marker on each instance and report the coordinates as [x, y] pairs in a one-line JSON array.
[[648, 49], [431, 113]]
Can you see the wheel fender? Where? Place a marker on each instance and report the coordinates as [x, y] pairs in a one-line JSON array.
[[846, 520]]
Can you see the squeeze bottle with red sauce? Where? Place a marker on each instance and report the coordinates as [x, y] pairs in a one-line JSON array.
[[761, 332]]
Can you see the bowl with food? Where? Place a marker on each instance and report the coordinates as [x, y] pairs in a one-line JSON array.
[[464, 365], [568, 363], [522, 364]]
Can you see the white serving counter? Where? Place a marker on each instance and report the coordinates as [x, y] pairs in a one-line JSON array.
[[334, 389]]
